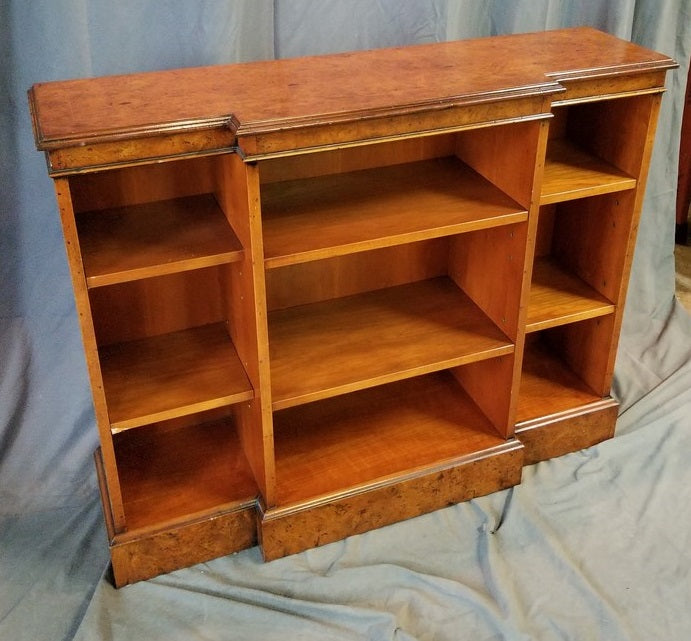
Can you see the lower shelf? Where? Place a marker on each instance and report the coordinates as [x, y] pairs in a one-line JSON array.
[[347, 441], [284, 531], [344, 465], [173, 474], [557, 412], [357, 462]]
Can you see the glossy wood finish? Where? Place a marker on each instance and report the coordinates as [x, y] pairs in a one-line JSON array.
[[573, 173], [238, 186], [557, 297], [349, 274], [265, 97], [291, 530], [574, 429], [112, 501], [548, 386], [169, 470], [158, 305], [148, 554], [327, 292], [143, 553]]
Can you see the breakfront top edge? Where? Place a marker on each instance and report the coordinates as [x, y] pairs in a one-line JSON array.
[[275, 95]]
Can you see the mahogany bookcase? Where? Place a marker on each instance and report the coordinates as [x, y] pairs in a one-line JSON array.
[[321, 295]]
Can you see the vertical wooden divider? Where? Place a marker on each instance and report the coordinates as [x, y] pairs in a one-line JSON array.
[[494, 266], [238, 194], [81, 296]]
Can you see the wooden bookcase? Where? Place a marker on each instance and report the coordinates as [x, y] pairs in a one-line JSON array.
[[322, 295]]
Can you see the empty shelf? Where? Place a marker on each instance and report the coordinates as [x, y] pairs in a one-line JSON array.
[[153, 239]]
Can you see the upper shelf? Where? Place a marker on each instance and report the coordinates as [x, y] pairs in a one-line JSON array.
[[154, 239], [571, 173], [324, 349], [332, 215]]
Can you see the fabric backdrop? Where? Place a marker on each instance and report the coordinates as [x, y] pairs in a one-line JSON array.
[[580, 539]]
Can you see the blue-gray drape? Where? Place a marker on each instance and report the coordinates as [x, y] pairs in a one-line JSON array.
[[593, 545]]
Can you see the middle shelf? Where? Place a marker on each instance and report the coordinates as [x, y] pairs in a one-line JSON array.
[[332, 347], [171, 375], [558, 296]]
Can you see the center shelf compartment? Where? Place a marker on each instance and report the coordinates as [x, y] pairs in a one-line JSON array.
[[342, 345], [171, 472], [171, 375], [152, 239], [318, 217], [337, 444]]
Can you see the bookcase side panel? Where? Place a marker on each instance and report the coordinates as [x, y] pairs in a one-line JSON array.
[[62, 191], [238, 193]]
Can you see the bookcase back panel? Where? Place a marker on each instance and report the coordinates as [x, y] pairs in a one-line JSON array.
[[355, 273], [153, 306], [142, 183], [505, 155], [586, 348], [591, 237], [339, 161], [606, 128]]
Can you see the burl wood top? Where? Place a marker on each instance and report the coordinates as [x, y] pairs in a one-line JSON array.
[[267, 96]]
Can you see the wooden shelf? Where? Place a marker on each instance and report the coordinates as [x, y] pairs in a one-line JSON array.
[[163, 377], [153, 239], [571, 173], [169, 474], [558, 297], [343, 442], [548, 386], [327, 216], [338, 346]]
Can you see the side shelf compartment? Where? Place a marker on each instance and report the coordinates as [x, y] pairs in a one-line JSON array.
[[591, 197], [170, 367], [559, 411]]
